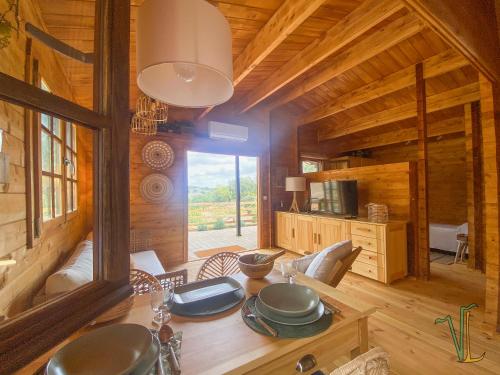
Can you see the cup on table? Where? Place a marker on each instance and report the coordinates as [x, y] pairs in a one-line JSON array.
[[289, 271], [161, 303]]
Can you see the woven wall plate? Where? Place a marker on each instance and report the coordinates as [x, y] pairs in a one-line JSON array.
[[156, 188], [158, 155]]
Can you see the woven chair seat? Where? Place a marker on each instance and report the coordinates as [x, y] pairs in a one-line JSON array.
[[222, 264]]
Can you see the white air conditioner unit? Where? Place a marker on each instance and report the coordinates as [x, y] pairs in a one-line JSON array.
[[227, 132]]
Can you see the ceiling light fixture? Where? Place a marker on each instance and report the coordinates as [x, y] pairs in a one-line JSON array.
[[184, 53]]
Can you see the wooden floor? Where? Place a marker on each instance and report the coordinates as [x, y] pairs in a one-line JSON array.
[[404, 323]]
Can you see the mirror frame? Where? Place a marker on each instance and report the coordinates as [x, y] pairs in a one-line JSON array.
[[30, 334]]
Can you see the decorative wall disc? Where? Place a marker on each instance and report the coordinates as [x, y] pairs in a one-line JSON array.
[[156, 188], [158, 155]]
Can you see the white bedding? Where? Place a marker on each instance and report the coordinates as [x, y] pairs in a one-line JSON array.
[[444, 236]]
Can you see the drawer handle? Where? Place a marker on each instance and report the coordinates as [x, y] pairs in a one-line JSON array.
[[306, 363]]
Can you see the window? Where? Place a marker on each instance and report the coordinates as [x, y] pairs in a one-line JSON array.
[[71, 173], [309, 166], [57, 149]]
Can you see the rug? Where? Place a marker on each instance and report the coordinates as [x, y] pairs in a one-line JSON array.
[[217, 250]]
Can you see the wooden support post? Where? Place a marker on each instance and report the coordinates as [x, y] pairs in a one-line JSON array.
[[490, 128], [474, 184], [423, 265], [238, 196]]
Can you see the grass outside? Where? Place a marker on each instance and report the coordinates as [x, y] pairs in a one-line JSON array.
[[220, 215]]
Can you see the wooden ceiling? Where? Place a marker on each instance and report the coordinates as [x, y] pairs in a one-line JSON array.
[[344, 66]]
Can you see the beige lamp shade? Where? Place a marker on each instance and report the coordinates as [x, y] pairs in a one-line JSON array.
[[184, 53], [295, 184]]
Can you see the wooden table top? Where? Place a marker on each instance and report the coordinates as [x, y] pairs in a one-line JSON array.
[[224, 344]]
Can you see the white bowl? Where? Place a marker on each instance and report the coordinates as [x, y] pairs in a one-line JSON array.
[[291, 300], [112, 350]]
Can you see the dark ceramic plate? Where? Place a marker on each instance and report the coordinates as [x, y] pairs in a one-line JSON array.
[[207, 297]]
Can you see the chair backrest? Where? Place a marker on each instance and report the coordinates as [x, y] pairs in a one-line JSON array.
[[373, 362], [143, 282], [178, 278], [342, 266], [222, 264]]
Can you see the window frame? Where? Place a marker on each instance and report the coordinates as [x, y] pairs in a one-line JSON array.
[[65, 163], [319, 162], [55, 320]]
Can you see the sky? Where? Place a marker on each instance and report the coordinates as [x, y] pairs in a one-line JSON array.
[[211, 170]]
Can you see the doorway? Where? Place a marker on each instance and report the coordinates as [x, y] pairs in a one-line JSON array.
[[222, 204]]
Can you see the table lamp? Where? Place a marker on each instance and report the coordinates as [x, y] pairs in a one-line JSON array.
[[295, 184]]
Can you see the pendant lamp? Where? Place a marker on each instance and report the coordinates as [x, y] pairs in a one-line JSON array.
[[184, 53]]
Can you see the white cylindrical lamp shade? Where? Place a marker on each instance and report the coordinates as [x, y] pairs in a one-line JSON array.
[[295, 184], [184, 53]]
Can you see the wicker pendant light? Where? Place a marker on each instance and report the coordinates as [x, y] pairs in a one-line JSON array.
[[143, 126], [151, 109]]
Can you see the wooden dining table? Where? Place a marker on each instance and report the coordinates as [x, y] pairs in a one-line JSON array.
[[224, 344]]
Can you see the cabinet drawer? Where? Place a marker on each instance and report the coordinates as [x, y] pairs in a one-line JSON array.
[[326, 351], [367, 243], [364, 229], [368, 270], [372, 258]]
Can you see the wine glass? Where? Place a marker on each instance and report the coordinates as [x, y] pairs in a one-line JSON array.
[[289, 271], [168, 301], [157, 297]]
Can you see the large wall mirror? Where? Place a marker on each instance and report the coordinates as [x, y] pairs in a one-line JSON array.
[[64, 222]]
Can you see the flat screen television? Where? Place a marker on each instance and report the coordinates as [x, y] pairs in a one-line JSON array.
[[338, 197]]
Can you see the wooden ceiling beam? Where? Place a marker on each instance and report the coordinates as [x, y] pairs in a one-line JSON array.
[[374, 44], [451, 126], [448, 99], [441, 63], [369, 14], [283, 22]]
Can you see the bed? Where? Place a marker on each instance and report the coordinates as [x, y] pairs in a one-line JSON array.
[[444, 236]]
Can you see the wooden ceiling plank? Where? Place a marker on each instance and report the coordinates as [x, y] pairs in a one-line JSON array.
[[282, 23], [384, 38], [448, 99], [454, 125], [363, 18], [434, 66]]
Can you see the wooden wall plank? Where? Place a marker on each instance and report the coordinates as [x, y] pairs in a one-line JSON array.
[[490, 125], [474, 184]]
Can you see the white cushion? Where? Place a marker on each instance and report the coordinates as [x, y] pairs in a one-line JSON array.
[[322, 265], [77, 271], [147, 261]]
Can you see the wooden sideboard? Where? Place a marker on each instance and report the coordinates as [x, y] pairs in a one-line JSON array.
[[384, 254]]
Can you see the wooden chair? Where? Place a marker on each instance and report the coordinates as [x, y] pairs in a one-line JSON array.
[[343, 265], [222, 264], [178, 278], [373, 362], [143, 282], [339, 269]]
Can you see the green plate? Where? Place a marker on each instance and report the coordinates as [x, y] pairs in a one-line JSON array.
[[285, 330], [291, 321]]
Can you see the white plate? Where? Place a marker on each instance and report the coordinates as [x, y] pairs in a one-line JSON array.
[[113, 350], [291, 321]]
